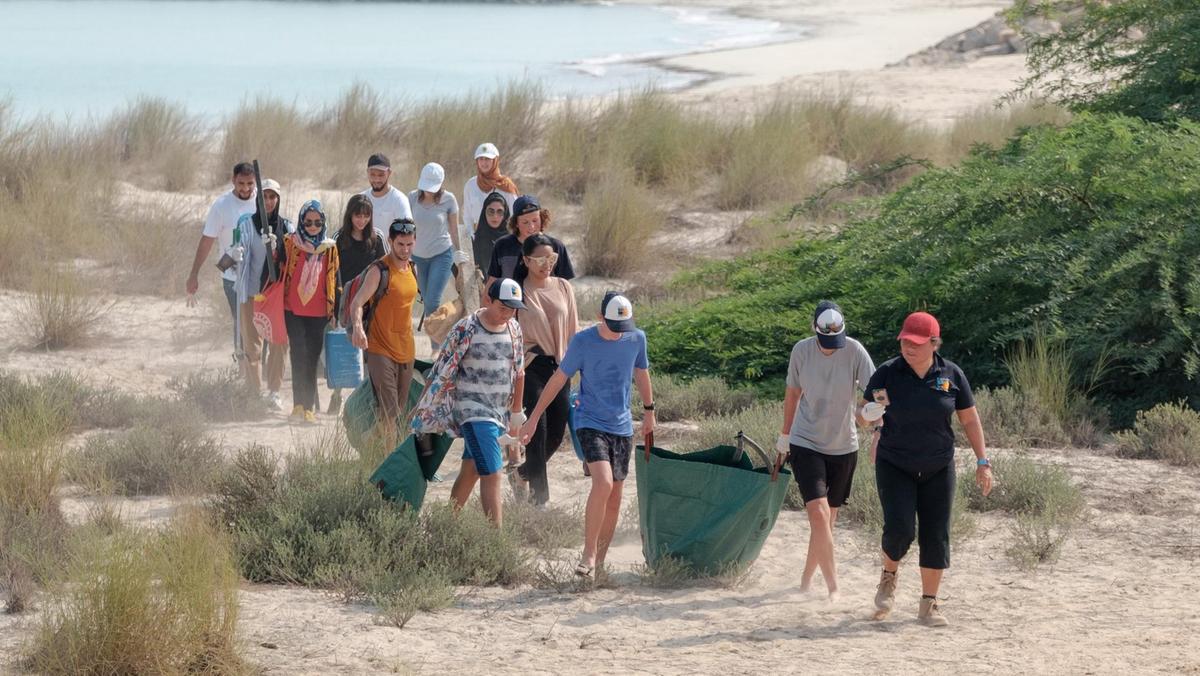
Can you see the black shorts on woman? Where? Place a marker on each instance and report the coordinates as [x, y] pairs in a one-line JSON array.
[[821, 475]]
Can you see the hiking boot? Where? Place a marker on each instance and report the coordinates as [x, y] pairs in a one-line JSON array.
[[335, 403], [930, 614], [885, 593], [310, 417], [297, 413], [273, 401]]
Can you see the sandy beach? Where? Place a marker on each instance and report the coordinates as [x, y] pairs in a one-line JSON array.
[[1121, 599]]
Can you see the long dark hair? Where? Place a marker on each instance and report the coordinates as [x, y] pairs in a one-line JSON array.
[[358, 204]]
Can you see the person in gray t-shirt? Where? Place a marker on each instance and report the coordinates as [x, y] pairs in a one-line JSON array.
[[818, 436]]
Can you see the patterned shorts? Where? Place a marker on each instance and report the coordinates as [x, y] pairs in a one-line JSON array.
[[604, 447]]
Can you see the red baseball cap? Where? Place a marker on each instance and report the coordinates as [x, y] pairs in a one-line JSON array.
[[919, 327]]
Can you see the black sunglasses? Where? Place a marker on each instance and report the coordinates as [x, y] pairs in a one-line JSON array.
[[403, 226]]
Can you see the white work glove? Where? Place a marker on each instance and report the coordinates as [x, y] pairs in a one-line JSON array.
[[236, 253], [783, 444], [873, 411], [461, 256], [268, 239]]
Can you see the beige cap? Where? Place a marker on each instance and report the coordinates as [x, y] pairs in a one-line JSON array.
[[272, 184]]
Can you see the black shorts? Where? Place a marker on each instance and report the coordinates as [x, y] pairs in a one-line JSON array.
[[604, 447], [822, 476]]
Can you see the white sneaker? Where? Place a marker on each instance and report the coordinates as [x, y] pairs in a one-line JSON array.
[[274, 402]]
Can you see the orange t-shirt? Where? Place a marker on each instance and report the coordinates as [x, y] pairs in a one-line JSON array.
[[391, 332]]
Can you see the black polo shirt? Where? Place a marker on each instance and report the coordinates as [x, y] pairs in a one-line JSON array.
[[507, 252], [916, 432]]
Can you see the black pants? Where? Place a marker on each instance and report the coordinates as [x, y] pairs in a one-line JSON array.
[[916, 505], [306, 338], [551, 427]]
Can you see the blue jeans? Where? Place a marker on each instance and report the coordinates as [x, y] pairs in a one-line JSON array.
[[432, 275], [231, 297]]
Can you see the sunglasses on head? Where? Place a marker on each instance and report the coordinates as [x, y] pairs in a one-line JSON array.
[[403, 226]]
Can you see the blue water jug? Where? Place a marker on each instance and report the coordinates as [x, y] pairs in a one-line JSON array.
[[343, 361]]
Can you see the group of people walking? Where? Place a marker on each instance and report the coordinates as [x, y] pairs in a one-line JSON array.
[[521, 349], [907, 405]]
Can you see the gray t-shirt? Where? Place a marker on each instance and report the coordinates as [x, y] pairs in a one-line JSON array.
[[830, 384], [433, 224], [485, 384]]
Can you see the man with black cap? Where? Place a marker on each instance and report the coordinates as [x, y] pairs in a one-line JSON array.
[[475, 391], [609, 356], [825, 374], [388, 203]]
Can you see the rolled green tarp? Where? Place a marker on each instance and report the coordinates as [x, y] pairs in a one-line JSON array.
[[361, 411], [710, 509], [403, 475]]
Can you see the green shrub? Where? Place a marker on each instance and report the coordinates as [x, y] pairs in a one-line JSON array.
[[677, 398], [1169, 432], [170, 455], [994, 126], [1079, 228], [144, 603], [220, 396], [760, 422]]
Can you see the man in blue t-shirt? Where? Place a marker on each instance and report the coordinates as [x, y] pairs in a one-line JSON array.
[[608, 356]]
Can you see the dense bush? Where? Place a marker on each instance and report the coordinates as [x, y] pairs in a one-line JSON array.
[[1169, 432], [1088, 231]]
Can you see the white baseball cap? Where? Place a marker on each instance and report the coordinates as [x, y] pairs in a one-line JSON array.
[[432, 177], [617, 312], [271, 184], [508, 292], [487, 150]]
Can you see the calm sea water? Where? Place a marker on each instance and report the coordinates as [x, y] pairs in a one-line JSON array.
[[75, 58]]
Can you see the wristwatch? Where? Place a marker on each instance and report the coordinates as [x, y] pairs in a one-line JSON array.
[[648, 407], [983, 462]]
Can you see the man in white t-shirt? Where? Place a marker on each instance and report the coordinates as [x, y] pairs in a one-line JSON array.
[[219, 225], [387, 203]]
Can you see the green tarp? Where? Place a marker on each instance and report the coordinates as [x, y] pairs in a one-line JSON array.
[[403, 475], [361, 411], [710, 509]]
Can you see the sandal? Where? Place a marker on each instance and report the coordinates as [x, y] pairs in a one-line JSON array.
[[583, 570]]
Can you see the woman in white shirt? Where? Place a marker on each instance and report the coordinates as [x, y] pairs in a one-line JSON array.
[[486, 180]]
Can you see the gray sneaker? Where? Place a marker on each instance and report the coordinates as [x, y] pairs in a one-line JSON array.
[[885, 593], [930, 614], [273, 401]]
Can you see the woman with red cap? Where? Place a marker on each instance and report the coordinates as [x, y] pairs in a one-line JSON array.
[[915, 395]]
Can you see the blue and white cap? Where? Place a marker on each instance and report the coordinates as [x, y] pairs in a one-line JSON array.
[[829, 325], [508, 292], [617, 312]]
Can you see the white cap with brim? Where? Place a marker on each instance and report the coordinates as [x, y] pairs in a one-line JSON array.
[[487, 150], [271, 184], [507, 292], [830, 326], [617, 312], [432, 177]]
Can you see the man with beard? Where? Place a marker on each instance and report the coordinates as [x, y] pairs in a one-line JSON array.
[[219, 226], [388, 203]]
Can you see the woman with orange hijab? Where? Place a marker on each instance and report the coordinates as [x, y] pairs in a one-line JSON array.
[[487, 179]]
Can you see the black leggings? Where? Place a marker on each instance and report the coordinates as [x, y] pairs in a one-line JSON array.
[[551, 427], [912, 498], [306, 337]]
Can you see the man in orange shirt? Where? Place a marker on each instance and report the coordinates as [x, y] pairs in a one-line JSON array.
[[388, 340]]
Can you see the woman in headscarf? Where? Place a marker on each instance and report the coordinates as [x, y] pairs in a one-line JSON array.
[[310, 278], [487, 179], [490, 227], [528, 218]]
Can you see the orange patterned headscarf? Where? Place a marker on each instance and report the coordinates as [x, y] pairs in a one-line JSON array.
[[494, 180]]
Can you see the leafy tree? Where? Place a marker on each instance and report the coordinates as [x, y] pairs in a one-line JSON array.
[[1090, 231], [1134, 57]]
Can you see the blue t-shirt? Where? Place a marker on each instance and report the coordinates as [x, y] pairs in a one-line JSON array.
[[607, 368]]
